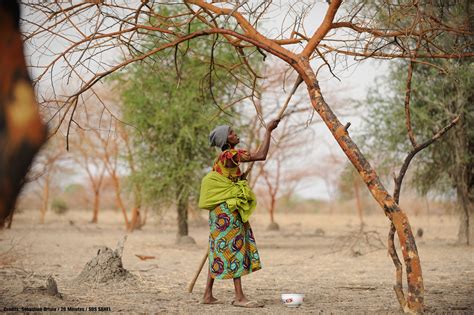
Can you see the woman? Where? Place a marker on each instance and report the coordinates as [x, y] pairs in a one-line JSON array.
[[232, 249]]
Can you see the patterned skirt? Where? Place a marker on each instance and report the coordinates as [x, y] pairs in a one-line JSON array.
[[232, 249]]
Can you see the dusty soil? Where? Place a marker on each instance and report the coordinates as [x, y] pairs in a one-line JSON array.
[[319, 255]]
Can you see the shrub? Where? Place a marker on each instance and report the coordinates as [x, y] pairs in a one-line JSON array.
[[59, 206]]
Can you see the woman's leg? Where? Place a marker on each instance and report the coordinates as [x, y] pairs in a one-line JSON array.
[[239, 293], [208, 297], [240, 298]]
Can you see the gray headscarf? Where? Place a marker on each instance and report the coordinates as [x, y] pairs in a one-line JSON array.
[[218, 136]]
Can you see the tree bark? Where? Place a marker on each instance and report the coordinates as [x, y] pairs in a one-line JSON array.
[[137, 221], [10, 220], [464, 179], [391, 208], [95, 210], [118, 199], [22, 131], [465, 196], [182, 209], [272, 211], [45, 203], [137, 218], [466, 224]]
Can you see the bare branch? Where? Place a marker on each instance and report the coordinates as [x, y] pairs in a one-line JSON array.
[[411, 155]]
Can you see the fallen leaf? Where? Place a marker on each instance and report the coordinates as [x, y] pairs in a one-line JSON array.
[[144, 257]]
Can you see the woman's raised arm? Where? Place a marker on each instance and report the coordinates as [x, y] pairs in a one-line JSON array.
[[262, 152]]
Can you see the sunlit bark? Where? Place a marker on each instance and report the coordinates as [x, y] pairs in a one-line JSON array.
[[22, 131]]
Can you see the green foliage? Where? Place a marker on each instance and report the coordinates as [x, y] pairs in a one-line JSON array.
[[402, 15], [74, 188], [59, 206], [436, 99], [170, 102]]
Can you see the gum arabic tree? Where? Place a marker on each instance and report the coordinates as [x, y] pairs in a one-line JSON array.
[[87, 31]]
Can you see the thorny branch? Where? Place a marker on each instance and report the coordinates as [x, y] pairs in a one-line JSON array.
[[414, 151], [120, 27]]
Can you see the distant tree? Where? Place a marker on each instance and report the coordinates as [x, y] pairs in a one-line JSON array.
[[109, 150], [170, 104], [436, 98], [349, 186], [89, 159], [45, 172], [418, 101], [138, 218]]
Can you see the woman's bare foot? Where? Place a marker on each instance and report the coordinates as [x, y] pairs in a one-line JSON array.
[[247, 304], [241, 299], [210, 300]]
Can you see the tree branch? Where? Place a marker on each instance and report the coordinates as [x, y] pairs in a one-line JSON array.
[[411, 155]]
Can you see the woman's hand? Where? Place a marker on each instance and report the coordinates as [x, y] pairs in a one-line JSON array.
[[261, 154], [273, 124]]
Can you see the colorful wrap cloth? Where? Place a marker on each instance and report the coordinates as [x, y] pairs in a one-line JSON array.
[[233, 252], [217, 189]]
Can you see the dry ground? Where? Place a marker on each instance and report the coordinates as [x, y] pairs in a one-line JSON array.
[[334, 278]]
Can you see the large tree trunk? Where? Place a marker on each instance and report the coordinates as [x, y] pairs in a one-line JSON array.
[[182, 209], [391, 208], [22, 131]]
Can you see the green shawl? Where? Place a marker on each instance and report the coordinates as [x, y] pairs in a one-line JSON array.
[[216, 189]]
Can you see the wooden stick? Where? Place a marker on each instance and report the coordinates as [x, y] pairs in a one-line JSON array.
[[295, 86], [280, 114], [196, 275]]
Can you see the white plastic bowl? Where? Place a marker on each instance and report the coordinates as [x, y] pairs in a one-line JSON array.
[[292, 299]]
